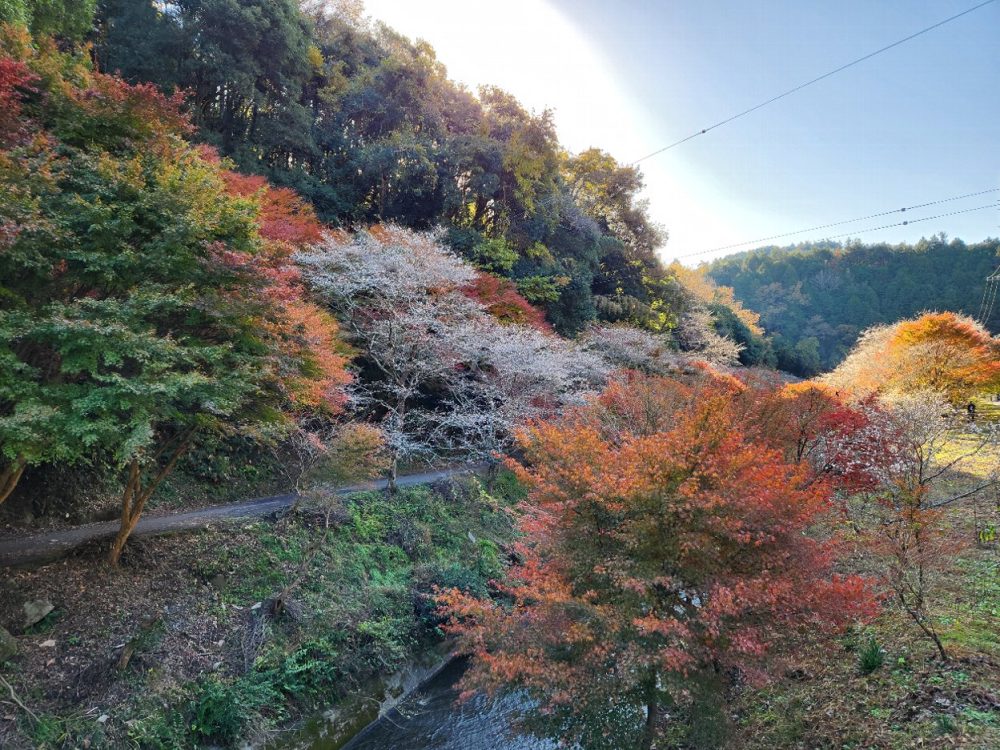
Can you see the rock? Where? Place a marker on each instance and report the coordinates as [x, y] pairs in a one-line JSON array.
[[8, 645], [102, 718], [48, 644], [217, 582], [35, 611]]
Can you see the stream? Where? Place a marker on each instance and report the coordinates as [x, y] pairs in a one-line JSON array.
[[430, 719]]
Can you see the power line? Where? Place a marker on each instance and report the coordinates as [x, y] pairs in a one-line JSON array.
[[889, 212], [872, 229], [801, 86], [982, 302], [703, 131], [989, 292], [989, 308]]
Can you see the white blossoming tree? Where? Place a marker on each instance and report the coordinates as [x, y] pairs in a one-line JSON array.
[[441, 375]]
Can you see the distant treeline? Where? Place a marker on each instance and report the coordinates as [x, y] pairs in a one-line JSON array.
[[815, 299]]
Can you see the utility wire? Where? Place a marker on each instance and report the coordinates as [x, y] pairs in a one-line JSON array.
[[982, 302], [986, 309], [801, 86], [789, 92], [871, 229], [845, 221]]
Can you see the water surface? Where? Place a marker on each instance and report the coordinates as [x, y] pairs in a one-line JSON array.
[[430, 719]]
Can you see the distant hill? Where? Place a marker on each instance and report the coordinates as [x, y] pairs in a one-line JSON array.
[[814, 299]]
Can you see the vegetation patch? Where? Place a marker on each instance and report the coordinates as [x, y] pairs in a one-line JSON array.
[[220, 666]]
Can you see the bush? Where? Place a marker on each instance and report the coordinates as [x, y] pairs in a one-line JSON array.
[[164, 730], [221, 711], [305, 673], [871, 657], [429, 579], [505, 486]]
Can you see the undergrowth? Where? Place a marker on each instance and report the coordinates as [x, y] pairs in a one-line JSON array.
[[363, 605]]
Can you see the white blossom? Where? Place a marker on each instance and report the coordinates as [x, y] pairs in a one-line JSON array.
[[440, 373]]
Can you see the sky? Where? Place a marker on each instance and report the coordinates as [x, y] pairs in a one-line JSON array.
[[917, 124]]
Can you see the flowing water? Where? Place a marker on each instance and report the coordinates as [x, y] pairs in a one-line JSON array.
[[430, 719]]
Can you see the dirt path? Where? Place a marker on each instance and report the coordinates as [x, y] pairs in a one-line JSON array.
[[24, 549]]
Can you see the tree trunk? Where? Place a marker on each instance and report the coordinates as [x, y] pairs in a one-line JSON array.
[[9, 478], [930, 632], [918, 617], [393, 474], [652, 714], [129, 516], [134, 496]]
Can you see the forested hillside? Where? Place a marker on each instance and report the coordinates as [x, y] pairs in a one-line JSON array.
[[253, 246], [367, 126], [816, 299]]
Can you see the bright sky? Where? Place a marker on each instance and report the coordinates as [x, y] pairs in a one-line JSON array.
[[916, 124]]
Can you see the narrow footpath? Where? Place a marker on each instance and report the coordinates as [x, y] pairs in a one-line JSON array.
[[27, 549]]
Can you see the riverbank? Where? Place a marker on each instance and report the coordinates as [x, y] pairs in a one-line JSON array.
[[238, 634]]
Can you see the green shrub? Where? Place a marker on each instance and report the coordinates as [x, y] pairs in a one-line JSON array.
[[871, 657], [489, 565], [506, 486], [164, 730], [304, 673], [945, 724], [48, 732], [386, 640], [429, 579], [221, 711]]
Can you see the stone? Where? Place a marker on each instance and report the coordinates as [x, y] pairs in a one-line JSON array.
[[217, 582], [8, 645], [35, 611], [48, 644]]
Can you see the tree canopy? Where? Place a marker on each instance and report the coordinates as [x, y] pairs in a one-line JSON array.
[[940, 352], [146, 294], [367, 127], [816, 299], [663, 544]]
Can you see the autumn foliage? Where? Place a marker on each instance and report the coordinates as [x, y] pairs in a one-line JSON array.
[[14, 77], [308, 334], [148, 296], [660, 541], [942, 352], [502, 300], [284, 215]]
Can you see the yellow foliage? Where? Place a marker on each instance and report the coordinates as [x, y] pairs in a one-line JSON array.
[[702, 287]]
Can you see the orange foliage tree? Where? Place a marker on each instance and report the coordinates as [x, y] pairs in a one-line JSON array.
[[662, 545], [308, 334], [696, 281], [942, 352]]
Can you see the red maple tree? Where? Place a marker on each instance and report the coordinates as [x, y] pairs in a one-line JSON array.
[[660, 542], [502, 300]]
